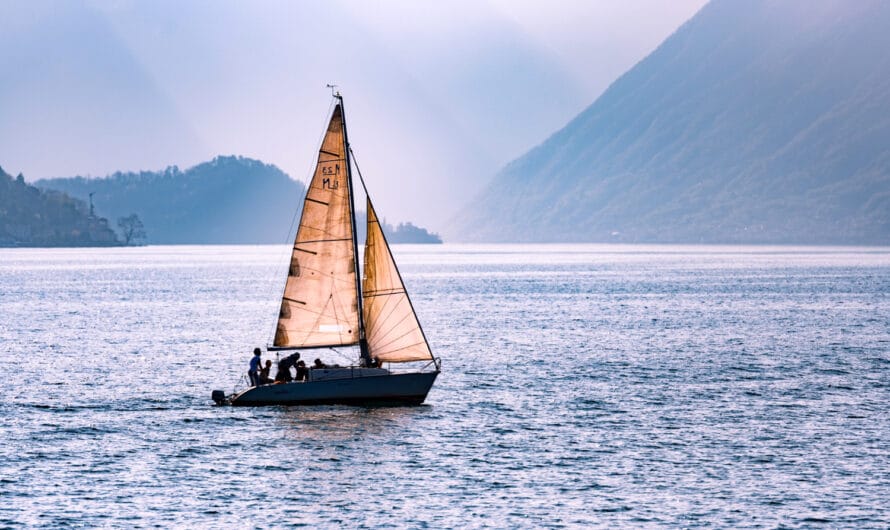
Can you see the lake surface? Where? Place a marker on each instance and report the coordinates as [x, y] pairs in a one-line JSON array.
[[584, 385]]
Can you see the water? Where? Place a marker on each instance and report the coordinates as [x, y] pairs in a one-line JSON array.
[[596, 386]]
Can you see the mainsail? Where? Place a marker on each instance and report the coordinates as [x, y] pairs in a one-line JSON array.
[[391, 327], [320, 304]]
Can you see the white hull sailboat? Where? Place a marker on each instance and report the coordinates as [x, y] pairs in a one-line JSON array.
[[326, 305]]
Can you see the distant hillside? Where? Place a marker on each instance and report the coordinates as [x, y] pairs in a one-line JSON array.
[[229, 200], [758, 121], [403, 233], [34, 218], [408, 233]]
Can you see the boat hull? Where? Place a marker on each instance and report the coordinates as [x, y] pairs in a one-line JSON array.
[[389, 389]]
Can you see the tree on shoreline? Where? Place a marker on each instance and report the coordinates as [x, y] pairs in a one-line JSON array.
[[131, 228]]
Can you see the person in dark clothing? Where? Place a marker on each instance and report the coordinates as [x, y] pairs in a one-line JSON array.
[[302, 372], [319, 364], [253, 372], [283, 375], [284, 365]]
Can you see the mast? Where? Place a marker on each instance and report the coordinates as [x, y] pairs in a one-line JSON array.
[[362, 341]]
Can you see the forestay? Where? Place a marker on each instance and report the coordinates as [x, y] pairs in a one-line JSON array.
[[320, 304]]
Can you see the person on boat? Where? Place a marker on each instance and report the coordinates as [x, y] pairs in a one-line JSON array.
[[253, 372], [264, 373], [284, 366], [319, 364], [302, 372]]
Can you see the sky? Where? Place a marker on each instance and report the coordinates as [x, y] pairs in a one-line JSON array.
[[438, 95]]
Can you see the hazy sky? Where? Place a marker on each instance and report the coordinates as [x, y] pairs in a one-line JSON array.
[[439, 95]]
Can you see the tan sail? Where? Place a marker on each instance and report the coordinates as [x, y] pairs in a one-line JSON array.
[[320, 303], [391, 327]]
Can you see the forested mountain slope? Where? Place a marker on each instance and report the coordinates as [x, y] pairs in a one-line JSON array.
[[760, 121]]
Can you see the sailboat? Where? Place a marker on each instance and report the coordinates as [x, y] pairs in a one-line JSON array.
[[326, 305]]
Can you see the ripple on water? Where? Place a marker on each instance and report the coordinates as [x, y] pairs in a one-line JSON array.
[[583, 386]]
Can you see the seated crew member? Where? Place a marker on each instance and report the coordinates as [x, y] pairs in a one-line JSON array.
[[319, 364], [302, 372], [264, 373]]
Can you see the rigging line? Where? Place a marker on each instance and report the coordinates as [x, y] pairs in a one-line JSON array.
[[365, 356], [336, 316], [388, 250], [342, 355], [315, 326], [358, 170]]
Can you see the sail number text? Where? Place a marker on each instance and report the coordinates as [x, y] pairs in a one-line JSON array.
[[332, 170]]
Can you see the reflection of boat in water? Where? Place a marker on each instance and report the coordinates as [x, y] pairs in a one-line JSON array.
[[331, 425], [325, 305]]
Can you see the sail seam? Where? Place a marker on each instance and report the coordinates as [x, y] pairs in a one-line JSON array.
[[323, 231], [381, 293], [387, 343], [306, 309], [403, 348], [381, 321], [326, 274], [321, 241], [385, 320]]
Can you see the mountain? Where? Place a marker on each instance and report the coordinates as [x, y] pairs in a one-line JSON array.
[[761, 121], [30, 217], [229, 200]]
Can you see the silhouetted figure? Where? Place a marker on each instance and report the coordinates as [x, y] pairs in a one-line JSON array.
[[319, 364], [253, 372], [284, 365], [302, 372]]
